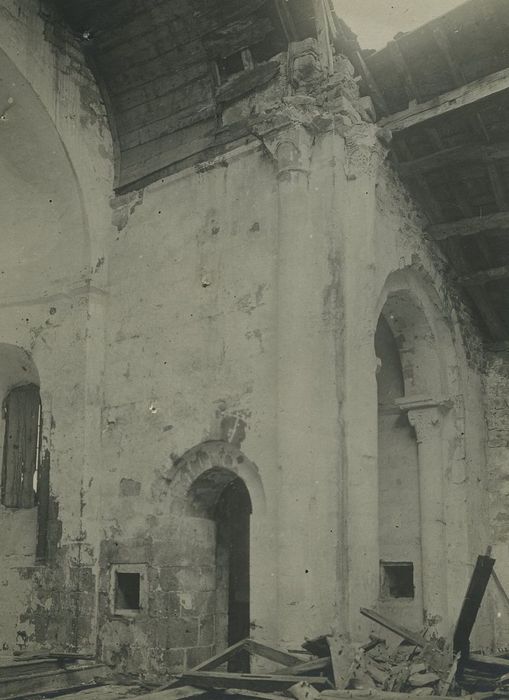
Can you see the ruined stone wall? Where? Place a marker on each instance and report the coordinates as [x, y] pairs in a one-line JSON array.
[[55, 174], [224, 319], [497, 449]]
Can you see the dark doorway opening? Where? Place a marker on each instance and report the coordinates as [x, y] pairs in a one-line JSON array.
[[233, 513]]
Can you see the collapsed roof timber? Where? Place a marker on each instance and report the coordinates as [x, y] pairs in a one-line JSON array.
[[254, 364]]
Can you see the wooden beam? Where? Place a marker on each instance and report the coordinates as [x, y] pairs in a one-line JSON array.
[[370, 694], [413, 637], [499, 187], [419, 186], [442, 41], [470, 227], [271, 653], [478, 279], [457, 155], [221, 657], [448, 102], [287, 21], [471, 603], [484, 305], [400, 61], [246, 681], [313, 666], [371, 84]]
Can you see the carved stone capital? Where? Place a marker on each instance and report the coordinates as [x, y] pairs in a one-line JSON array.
[[289, 140], [425, 414], [364, 151]]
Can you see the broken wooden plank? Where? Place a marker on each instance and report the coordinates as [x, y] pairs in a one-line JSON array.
[[53, 680], [471, 603], [343, 658], [181, 693], [312, 666], [382, 695], [271, 653], [406, 634], [249, 694], [220, 658], [304, 691], [445, 685], [246, 681], [449, 101], [496, 661]]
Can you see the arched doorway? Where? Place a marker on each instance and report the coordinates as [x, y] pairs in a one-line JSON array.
[[233, 515], [220, 494]]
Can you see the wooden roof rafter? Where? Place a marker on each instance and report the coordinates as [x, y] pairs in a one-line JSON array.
[[448, 102], [470, 226]]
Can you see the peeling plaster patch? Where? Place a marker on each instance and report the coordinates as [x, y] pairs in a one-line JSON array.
[[249, 302], [130, 487], [124, 207], [257, 334], [233, 430]]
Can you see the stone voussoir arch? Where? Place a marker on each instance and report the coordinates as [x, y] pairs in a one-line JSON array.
[[219, 463]]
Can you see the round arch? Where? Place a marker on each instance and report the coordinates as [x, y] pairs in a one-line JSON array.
[[206, 469], [16, 368], [44, 223], [415, 314]]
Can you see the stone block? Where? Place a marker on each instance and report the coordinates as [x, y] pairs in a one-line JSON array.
[[173, 660], [81, 578], [168, 579], [182, 632], [196, 579], [197, 655], [207, 630], [163, 604], [204, 602]]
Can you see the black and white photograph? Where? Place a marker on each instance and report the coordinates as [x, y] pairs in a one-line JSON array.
[[254, 349]]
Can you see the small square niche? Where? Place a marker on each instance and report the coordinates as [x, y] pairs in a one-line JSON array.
[[128, 589], [397, 579]]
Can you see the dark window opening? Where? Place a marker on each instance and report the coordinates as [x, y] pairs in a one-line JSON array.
[[397, 579], [235, 63], [127, 591], [22, 440]]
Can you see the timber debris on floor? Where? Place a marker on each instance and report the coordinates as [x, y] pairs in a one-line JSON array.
[[328, 667], [42, 674], [418, 665]]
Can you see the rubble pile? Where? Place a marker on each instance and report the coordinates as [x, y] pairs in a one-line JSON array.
[[332, 667]]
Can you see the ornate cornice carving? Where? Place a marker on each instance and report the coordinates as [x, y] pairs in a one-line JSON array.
[[363, 150]]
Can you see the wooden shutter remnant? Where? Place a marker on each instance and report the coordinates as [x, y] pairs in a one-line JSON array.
[[21, 446]]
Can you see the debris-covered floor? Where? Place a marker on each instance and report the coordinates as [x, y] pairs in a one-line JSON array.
[[403, 664]]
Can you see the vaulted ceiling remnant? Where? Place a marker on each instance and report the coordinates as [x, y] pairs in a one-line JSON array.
[[168, 67], [443, 91]]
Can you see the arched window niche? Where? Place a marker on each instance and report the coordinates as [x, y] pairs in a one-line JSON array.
[[415, 366], [20, 428]]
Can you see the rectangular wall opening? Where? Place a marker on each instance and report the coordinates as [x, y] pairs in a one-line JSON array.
[[397, 579], [127, 591]]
